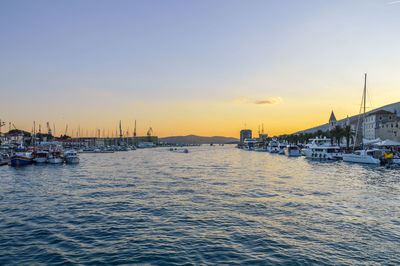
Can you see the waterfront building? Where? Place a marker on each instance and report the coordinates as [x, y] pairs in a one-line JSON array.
[[388, 129], [377, 124], [245, 134], [394, 108], [332, 121]]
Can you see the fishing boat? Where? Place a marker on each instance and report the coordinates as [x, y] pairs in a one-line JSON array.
[[21, 157], [55, 157], [41, 156], [71, 157], [292, 150]]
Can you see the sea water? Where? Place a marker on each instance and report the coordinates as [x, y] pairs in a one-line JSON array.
[[213, 205]]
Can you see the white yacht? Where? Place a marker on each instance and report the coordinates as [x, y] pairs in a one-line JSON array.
[[273, 146], [322, 149], [292, 150], [250, 144], [370, 156], [307, 150], [71, 157]]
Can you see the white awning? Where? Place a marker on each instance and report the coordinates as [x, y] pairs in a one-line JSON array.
[[371, 141], [387, 142]]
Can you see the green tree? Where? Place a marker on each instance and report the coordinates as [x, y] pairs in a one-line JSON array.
[[347, 133]]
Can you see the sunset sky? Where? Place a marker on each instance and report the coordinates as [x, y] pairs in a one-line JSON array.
[[195, 67]]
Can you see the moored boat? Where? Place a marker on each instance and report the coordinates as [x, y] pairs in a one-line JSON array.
[[370, 156], [292, 150], [4, 159], [71, 157], [21, 157], [55, 157], [273, 146], [41, 156]]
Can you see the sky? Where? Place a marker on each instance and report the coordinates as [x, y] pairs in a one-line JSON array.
[[209, 67]]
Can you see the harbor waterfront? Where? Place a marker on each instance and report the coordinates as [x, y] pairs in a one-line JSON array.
[[213, 205]]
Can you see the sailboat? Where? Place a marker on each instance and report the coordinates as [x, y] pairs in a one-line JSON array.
[[368, 156]]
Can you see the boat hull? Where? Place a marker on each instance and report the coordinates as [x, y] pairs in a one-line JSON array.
[[325, 156], [293, 153], [354, 158], [55, 160], [72, 160], [40, 160], [20, 161]]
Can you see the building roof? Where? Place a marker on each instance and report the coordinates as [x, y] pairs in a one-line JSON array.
[[332, 118], [381, 112]]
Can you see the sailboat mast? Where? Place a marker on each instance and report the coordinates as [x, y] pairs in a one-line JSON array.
[[365, 90]]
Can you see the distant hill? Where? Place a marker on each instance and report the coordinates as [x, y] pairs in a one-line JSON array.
[[193, 139]]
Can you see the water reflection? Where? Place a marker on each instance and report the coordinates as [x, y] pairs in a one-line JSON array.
[[212, 205]]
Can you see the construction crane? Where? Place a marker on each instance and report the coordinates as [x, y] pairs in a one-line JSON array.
[[1, 124], [48, 129], [150, 132]]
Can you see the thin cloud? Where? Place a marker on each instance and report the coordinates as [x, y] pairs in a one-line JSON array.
[[267, 101], [394, 2]]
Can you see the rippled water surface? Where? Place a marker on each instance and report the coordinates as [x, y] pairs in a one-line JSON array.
[[214, 205]]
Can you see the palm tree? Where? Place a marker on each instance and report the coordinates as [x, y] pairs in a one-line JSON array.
[[337, 133], [347, 133]]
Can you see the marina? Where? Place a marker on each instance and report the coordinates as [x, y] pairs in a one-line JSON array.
[[199, 132], [216, 204]]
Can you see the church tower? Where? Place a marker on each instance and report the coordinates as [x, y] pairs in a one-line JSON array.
[[332, 121]]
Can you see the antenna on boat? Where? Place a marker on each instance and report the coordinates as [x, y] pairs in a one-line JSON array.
[[120, 130]]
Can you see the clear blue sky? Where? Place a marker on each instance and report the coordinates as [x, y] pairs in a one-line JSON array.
[[95, 62]]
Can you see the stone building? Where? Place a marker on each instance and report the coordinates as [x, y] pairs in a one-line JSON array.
[[245, 134], [380, 124]]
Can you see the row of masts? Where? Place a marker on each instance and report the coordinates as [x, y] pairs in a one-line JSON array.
[[78, 132]]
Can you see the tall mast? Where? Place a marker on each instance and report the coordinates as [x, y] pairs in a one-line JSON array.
[[134, 131], [365, 90], [365, 100], [120, 130]]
